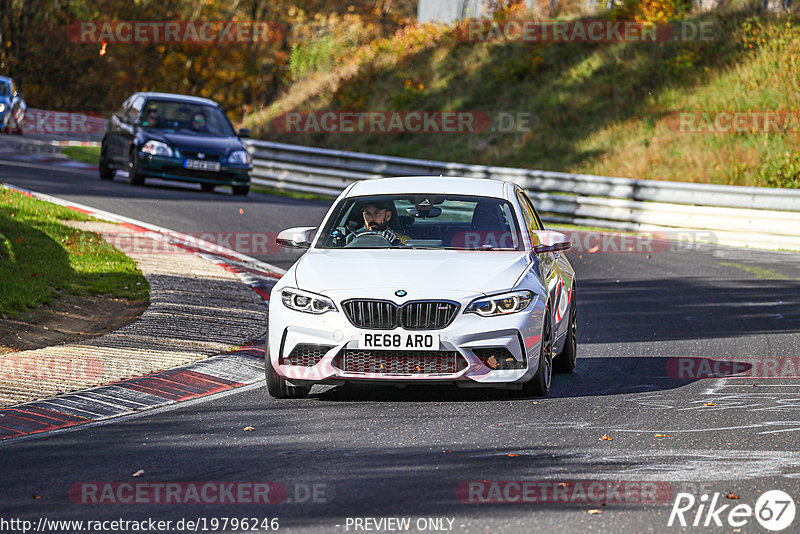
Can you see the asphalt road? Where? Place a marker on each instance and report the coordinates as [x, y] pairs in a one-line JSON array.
[[376, 452]]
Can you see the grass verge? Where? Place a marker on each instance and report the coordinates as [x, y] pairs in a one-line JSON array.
[[84, 154], [40, 257]]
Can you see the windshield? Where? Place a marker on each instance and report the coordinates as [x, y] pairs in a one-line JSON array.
[[5, 90], [454, 222], [185, 117]]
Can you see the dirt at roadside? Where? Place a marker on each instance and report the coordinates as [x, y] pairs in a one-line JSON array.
[[66, 319]]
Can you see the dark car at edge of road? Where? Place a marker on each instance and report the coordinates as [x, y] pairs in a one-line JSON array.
[[175, 137], [12, 106]]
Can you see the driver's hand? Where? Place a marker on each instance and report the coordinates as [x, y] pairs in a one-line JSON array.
[[390, 236]]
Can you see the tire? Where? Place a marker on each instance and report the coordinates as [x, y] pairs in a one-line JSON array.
[[539, 385], [240, 190], [207, 188], [566, 361], [277, 387], [106, 172], [134, 176]]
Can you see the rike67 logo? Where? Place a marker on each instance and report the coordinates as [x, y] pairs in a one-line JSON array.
[[774, 510]]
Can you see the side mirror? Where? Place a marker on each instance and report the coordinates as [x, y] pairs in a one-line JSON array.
[[244, 132], [300, 237], [550, 241]]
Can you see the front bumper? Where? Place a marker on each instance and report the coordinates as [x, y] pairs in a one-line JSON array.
[[323, 349], [170, 168]]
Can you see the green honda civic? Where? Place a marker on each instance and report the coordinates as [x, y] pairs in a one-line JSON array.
[[175, 137]]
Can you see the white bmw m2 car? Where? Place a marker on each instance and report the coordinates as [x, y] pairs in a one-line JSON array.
[[424, 280]]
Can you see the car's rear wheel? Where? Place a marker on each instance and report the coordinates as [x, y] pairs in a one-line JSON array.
[[539, 385], [207, 188], [277, 386], [240, 190], [566, 361], [106, 172], [134, 176]]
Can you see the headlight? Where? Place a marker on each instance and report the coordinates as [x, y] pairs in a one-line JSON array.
[[504, 304], [240, 157], [2, 107], [157, 148], [303, 301]]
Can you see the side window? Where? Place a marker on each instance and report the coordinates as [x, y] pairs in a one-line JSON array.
[[135, 109], [123, 109], [527, 214], [533, 210]]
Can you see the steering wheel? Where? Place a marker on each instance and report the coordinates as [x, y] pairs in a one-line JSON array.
[[369, 239]]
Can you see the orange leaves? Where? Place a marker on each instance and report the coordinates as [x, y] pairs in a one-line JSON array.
[[605, 437]]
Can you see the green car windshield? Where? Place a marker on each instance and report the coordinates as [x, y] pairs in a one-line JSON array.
[[184, 117]]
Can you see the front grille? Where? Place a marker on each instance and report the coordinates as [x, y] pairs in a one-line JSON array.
[[386, 315], [393, 362], [371, 314], [306, 355], [428, 315], [498, 358]]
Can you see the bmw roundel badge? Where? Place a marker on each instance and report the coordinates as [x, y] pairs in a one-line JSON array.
[[400, 293]]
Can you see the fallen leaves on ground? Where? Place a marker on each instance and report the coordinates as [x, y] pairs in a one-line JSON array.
[[138, 473], [731, 496], [605, 437], [709, 404], [595, 511], [662, 435], [593, 249], [248, 429], [512, 455]]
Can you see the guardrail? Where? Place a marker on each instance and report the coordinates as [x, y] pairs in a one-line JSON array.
[[744, 216]]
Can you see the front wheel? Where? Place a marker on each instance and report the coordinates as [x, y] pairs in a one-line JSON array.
[[539, 385], [106, 172], [277, 387], [566, 361], [134, 176]]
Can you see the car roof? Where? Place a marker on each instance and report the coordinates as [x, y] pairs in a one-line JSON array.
[[6, 79], [177, 97], [430, 184]]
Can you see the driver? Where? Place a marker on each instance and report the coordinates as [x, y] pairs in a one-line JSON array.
[[151, 119], [199, 121], [377, 215]]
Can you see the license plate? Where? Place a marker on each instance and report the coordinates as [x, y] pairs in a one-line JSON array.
[[200, 165], [404, 341]]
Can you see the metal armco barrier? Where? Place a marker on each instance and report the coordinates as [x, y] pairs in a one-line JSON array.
[[755, 217]]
